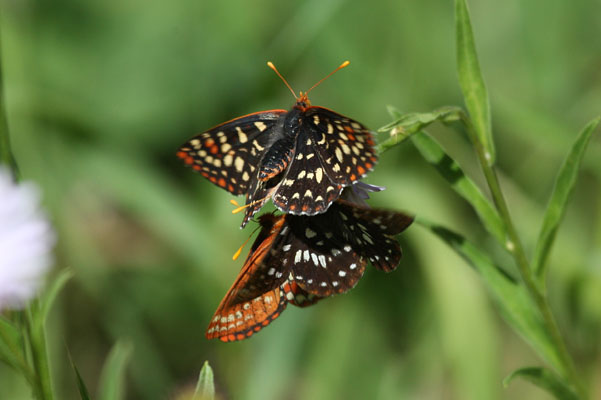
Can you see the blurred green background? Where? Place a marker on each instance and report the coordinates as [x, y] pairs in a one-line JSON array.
[[101, 93]]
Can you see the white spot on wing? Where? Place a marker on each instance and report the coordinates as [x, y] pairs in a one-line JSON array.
[[238, 163], [318, 174], [260, 126], [241, 135]]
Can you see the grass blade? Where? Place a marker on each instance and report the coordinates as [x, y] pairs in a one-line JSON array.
[[113, 373], [513, 302], [51, 293], [564, 184], [205, 388], [545, 379], [84, 394], [471, 81], [6, 155], [464, 186]]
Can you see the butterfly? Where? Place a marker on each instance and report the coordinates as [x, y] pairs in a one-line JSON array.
[[301, 158], [302, 259]]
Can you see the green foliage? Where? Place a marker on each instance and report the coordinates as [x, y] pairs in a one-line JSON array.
[[471, 81], [112, 378], [564, 184], [205, 387], [513, 301], [545, 379], [84, 393], [464, 186]]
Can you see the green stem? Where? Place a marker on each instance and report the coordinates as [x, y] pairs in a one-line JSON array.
[[17, 360], [6, 156], [515, 247], [39, 352]]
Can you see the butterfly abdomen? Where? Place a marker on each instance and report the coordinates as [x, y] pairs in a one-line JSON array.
[[277, 158]]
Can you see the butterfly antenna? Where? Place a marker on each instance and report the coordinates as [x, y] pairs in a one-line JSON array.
[[343, 65], [270, 65], [240, 208], [237, 253]]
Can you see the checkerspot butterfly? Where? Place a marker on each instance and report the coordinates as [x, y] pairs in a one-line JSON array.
[[301, 158], [302, 259]]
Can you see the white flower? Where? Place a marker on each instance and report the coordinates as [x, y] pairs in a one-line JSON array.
[[26, 240]]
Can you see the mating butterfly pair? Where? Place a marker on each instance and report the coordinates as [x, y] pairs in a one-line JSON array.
[[301, 260], [301, 159]]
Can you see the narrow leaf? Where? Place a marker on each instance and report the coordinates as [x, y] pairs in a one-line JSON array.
[[113, 372], [205, 388], [513, 302], [52, 292], [10, 350], [564, 185], [84, 394], [464, 186], [545, 379], [405, 125], [471, 81], [6, 155]]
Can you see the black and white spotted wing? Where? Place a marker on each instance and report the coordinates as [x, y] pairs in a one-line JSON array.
[[371, 232], [330, 152], [229, 154], [306, 188], [344, 146], [321, 261], [327, 253], [301, 260]]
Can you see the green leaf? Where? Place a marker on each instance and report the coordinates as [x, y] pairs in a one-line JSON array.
[[84, 394], [545, 379], [112, 376], [405, 125], [564, 185], [6, 155], [514, 303], [471, 81], [464, 186], [205, 388], [10, 350], [52, 292]]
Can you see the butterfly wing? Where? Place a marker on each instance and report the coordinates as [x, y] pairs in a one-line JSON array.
[[228, 154], [371, 232], [332, 151], [298, 296], [321, 262], [344, 146], [305, 187], [256, 298]]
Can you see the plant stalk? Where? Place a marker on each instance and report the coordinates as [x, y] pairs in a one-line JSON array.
[[515, 247], [39, 351]]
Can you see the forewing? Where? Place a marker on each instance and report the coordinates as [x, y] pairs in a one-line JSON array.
[[305, 188], [228, 154], [256, 298], [345, 146]]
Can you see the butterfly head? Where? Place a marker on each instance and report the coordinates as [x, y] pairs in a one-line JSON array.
[[302, 101]]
